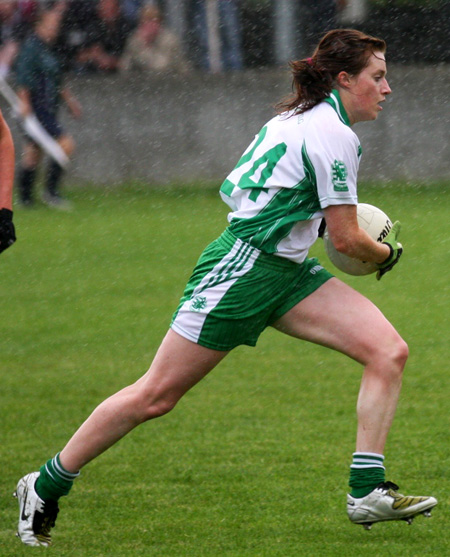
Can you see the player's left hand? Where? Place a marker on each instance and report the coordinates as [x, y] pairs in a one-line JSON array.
[[396, 250], [7, 231]]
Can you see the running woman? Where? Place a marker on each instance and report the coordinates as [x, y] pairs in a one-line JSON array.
[[300, 168]]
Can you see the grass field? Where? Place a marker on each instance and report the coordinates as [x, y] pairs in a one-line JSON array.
[[254, 460]]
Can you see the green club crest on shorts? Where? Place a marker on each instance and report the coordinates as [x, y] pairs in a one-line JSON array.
[[339, 175], [198, 303]]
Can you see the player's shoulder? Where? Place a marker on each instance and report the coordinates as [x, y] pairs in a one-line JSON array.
[[326, 123], [326, 114]]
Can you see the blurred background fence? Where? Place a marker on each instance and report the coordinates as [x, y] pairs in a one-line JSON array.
[[273, 31], [171, 129], [191, 121]]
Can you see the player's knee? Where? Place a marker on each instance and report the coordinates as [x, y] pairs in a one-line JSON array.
[[387, 355], [400, 353], [158, 407], [403, 351], [395, 354]]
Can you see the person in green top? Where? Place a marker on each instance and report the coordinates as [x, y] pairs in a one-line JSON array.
[[299, 169], [40, 87]]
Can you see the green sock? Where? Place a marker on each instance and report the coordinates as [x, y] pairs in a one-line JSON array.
[[54, 481], [366, 472]]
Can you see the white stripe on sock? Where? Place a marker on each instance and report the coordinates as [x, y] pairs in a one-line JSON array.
[[64, 474]]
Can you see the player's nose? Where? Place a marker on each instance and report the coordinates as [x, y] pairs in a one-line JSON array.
[[386, 89]]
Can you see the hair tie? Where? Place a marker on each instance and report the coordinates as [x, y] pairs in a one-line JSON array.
[[309, 61]]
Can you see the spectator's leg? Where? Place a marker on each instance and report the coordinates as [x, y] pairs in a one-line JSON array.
[[230, 28], [27, 172]]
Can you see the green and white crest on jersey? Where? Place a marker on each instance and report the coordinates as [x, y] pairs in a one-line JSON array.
[[198, 303], [339, 175]]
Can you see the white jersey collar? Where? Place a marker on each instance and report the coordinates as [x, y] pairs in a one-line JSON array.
[[335, 100]]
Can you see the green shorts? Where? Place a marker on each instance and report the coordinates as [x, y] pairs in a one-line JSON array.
[[236, 291]]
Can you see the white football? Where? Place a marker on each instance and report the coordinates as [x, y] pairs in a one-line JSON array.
[[377, 224]]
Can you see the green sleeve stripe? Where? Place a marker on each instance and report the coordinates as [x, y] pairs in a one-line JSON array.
[[227, 188]]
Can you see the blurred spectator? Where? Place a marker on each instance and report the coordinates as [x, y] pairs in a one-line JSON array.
[[27, 10], [257, 19], [9, 44], [74, 35], [152, 46], [322, 16], [131, 10], [16, 19], [228, 32], [39, 79], [107, 34]]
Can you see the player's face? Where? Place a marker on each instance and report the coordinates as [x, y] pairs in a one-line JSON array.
[[367, 90]]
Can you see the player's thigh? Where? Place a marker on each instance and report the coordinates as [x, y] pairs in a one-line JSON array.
[[339, 317], [178, 365]]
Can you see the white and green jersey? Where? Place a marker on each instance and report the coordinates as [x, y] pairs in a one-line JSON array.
[[296, 166]]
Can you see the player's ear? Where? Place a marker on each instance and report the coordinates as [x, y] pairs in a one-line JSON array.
[[343, 79]]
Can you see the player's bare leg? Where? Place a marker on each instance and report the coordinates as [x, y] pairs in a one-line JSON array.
[[178, 365], [339, 317]]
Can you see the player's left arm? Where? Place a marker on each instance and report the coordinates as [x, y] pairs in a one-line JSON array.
[[349, 238], [7, 232]]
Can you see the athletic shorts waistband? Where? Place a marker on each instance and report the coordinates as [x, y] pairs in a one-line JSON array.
[[267, 260]]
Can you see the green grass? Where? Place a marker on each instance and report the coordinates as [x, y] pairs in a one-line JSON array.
[[254, 460]]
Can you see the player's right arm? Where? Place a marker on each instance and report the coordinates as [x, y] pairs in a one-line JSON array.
[[7, 232]]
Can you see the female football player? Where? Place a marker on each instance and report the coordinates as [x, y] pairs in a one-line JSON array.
[[300, 168]]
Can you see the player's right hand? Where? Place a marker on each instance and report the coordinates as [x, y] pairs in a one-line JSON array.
[[7, 231], [396, 250]]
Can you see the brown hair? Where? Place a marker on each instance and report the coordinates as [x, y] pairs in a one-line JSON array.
[[339, 50]]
